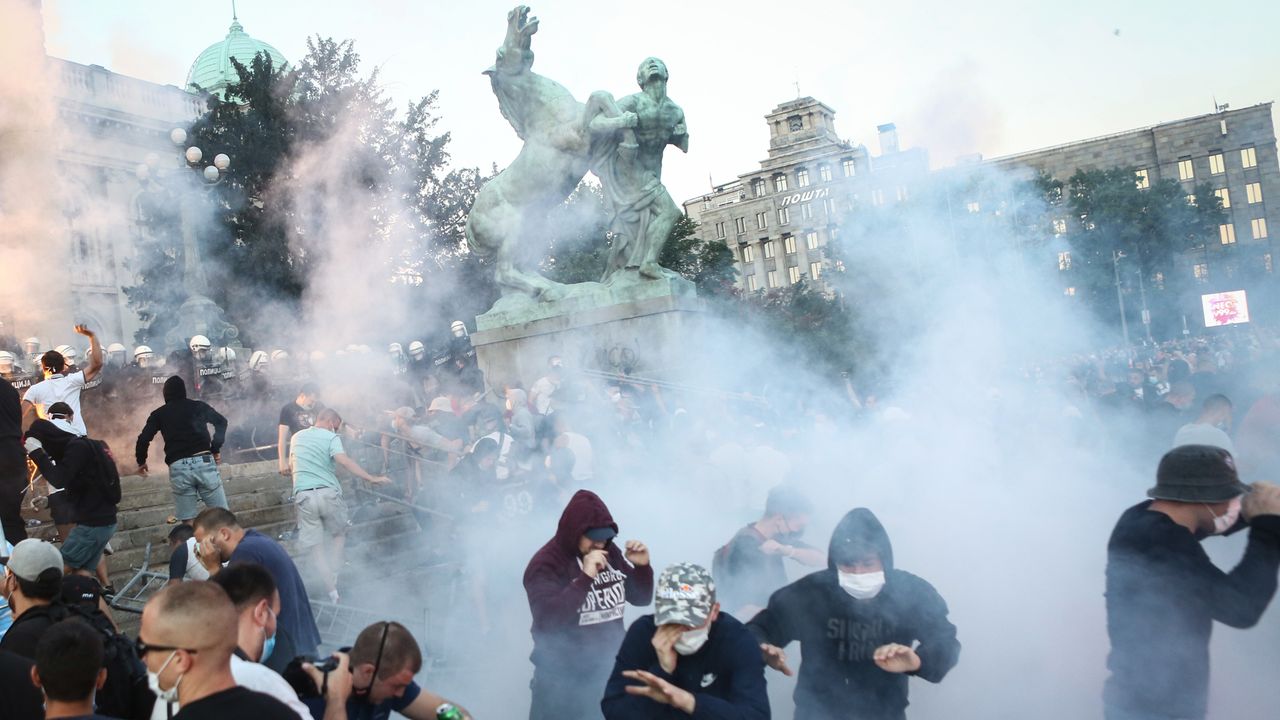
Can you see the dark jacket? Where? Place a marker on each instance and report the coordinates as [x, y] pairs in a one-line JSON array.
[[577, 621], [10, 415], [24, 634], [726, 675], [838, 635], [1163, 594], [70, 462], [183, 423]]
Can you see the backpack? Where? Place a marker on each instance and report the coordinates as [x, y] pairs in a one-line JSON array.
[[108, 475], [126, 694]]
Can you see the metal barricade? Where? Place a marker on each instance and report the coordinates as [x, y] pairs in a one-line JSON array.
[[145, 583]]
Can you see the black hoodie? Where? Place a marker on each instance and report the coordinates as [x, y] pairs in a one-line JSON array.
[[577, 620], [839, 634], [184, 425], [70, 462]]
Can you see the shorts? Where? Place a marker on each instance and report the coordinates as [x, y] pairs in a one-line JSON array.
[[83, 547], [322, 514], [61, 508]]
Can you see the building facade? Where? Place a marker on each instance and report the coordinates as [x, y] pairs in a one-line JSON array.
[[1234, 151], [778, 219]]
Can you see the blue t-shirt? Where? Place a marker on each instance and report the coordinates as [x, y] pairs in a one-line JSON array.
[[295, 609], [311, 457], [359, 709]]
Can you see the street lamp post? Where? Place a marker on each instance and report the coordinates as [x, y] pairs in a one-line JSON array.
[[198, 314], [1124, 323]]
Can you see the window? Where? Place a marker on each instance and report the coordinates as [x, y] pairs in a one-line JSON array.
[[1201, 271], [811, 240], [1142, 180], [762, 220], [779, 183], [793, 274], [784, 216], [802, 178], [1266, 262], [972, 206], [1059, 226], [902, 193], [771, 278], [1185, 170], [877, 197], [757, 187], [720, 230], [829, 206], [1248, 158], [1064, 261], [1217, 165], [1227, 233], [752, 286], [1158, 279], [834, 234], [847, 166], [815, 269], [1069, 292], [824, 173], [789, 244], [748, 254], [769, 249], [1259, 228], [1191, 199], [1224, 195], [806, 211], [742, 225], [1253, 193]]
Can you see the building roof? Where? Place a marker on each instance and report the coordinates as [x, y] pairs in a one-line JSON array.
[[212, 71]]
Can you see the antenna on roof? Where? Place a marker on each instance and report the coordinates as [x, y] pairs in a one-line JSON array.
[[233, 10], [797, 89]]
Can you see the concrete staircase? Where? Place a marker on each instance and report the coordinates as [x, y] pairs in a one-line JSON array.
[[383, 534]]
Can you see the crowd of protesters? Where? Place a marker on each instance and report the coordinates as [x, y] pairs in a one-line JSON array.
[[235, 631]]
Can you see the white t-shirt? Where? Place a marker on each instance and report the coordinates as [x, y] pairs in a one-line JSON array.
[[59, 388], [584, 464], [255, 677], [542, 390]]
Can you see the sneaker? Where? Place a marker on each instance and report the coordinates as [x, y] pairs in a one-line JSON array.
[[334, 597], [108, 550], [108, 591], [172, 519]]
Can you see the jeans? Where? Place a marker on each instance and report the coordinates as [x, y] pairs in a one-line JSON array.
[[13, 483], [195, 477]]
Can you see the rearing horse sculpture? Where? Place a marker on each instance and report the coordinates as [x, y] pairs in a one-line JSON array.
[[561, 136]]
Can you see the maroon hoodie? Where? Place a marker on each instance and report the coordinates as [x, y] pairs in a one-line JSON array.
[[577, 620]]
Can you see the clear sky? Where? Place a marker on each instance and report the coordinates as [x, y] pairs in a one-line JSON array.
[[992, 77]]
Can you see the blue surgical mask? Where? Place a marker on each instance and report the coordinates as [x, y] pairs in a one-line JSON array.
[[268, 646]]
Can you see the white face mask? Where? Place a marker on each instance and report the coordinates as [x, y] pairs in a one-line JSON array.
[[1227, 520], [153, 682], [862, 586], [691, 641], [63, 425]]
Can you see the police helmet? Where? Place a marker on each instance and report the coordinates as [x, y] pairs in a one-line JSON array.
[[31, 345], [458, 328], [7, 361], [279, 356], [200, 346], [258, 360], [417, 350], [68, 353], [143, 356]]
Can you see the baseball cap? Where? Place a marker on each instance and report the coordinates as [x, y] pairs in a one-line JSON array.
[[684, 596], [32, 557], [81, 590], [601, 534], [1197, 474]]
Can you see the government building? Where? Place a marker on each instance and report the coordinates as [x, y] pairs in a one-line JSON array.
[[777, 220], [108, 126]]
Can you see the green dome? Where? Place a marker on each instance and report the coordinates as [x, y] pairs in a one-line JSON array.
[[212, 71]]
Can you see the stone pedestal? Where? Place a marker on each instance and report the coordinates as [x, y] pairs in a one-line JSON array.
[[648, 327]]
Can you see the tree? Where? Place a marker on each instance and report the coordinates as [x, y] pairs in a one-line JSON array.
[[709, 265], [1115, 226]]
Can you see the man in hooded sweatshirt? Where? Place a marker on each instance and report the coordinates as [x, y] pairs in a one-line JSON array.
[[189, 452], [578, 585], [863, 626]]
